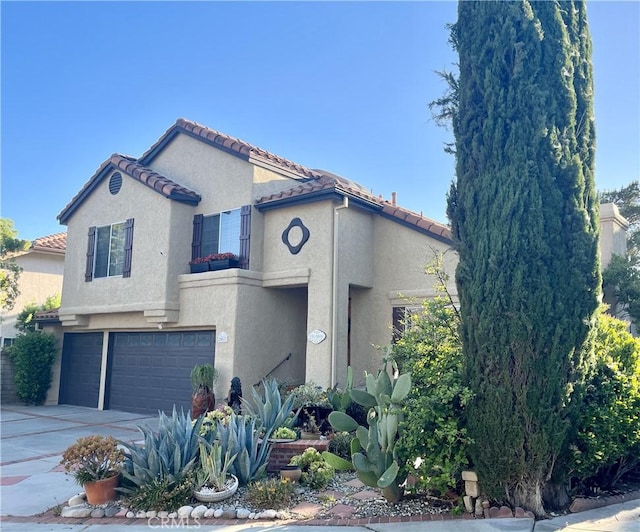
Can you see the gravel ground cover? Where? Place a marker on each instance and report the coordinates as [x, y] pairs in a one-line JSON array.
[[345, 489]]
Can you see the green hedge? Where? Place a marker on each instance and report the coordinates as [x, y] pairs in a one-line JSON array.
[[607, 442], [33, 355]]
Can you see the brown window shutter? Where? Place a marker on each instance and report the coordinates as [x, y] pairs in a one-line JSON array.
[[245, 234], [91, 248], [196, 241], [128, 247], [398, 322]]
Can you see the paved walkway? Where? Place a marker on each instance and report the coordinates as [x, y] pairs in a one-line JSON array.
[[31, 480]]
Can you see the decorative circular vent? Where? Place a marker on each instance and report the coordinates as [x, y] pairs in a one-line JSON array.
[[115, 183], [295, 247]]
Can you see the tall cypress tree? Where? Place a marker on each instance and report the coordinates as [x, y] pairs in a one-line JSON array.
[[524, 217]]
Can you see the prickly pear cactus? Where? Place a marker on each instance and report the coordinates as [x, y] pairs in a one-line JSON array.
[[373, 450]]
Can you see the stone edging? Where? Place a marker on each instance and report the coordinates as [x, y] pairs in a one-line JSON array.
[[583, 504]]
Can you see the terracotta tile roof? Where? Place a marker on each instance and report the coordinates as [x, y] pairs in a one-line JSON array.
[[133, 168], [313, 183], [47, 315], [327, 185], [229, 144], [56, 243], [163, 185]]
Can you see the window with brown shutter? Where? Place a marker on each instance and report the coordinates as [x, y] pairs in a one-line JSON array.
[[91, 246], [226, 232], [110, 250]]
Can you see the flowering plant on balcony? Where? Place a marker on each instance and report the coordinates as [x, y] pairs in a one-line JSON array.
[[214, 256], [223, 256]]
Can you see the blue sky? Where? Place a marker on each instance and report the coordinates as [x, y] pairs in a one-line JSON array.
[[333, 85]]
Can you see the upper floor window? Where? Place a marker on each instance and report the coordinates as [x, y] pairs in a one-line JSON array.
[[109, 250], [109, 257], [226, 232], [221, 233]]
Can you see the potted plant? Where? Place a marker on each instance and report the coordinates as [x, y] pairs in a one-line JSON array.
[[95, 463], [213, 480], [199, 265], [312, 400], [283, 434], [203, 399], [223, 261], [291, 472], [310, 429]]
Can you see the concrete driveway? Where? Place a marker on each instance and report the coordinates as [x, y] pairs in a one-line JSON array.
[[33, 440]]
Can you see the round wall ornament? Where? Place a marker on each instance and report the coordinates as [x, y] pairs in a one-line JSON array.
[[295, 224], [317, 336]]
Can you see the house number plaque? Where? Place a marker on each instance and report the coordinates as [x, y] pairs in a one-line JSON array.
[[316, 336]]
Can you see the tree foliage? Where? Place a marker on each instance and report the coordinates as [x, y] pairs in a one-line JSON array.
[[9, 270], [433, 441], [607, 442], [25, 320], [523, 214]]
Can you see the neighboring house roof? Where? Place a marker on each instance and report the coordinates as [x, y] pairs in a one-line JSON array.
[[50, 316], [56, 243], [163, 185]]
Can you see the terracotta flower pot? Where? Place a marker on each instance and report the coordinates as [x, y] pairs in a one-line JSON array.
[[293, 473], [202, 401], [101, 491]]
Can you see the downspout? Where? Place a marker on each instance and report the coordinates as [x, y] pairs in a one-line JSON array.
[[334, 296]]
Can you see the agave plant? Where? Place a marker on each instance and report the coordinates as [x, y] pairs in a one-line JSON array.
[[214, 466], [239, 437], [269, 408], [169, 454]]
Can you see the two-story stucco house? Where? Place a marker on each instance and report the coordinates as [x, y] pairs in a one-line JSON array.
[[322, 264]]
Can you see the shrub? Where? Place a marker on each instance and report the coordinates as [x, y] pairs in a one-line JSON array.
[[161, 494], [283, 433], [607, 443], [433, 442], [210, 421], [25, 322], [316, 473], [33, 355], [309, 394], [340, 445], [272, 493]]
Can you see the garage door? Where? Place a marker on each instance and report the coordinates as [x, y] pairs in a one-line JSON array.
[[80, 369], [151, 371]]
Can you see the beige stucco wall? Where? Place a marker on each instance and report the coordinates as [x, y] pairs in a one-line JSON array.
[[613, 233], [317, 256], [41, 277], [158, 256], [399, 279], [255, 327], [377, 261]]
